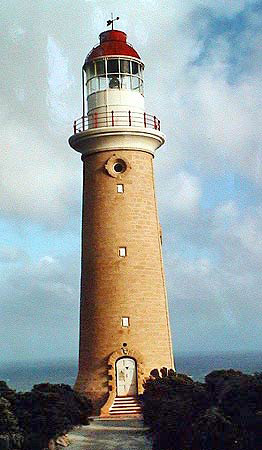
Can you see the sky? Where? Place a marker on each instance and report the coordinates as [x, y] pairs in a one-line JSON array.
[[203, 80]]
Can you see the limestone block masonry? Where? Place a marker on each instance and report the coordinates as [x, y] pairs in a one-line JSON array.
[[123, 310]]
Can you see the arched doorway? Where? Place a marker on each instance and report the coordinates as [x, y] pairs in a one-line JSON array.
[[126, 377]]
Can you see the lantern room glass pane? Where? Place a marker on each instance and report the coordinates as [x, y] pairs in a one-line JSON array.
[[135, 83], [141, 87], [134, 68], [125, 82], [112, 66], [90, 70], [124, 66], [102, 83], [94, 85], [100, 67], [88, 85], [114, 82]]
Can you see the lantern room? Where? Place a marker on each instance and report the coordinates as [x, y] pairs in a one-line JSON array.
[[113, 86], [114, 73], [112, 79]]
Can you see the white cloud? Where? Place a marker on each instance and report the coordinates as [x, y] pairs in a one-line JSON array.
[[183, 194], [224, 211], [249, 233], [36, 184], [59, 83], [10, 254], [39, 300]]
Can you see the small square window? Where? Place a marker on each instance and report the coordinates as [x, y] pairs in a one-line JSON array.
[[122, 251], [120, 188], [125, 322]]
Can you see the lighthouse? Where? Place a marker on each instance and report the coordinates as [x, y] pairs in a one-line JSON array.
[[124, 321]]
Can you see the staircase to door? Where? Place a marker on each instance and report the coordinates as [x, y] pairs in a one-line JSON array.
[[125, 405]]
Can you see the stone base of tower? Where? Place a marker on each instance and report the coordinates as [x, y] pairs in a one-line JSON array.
[[110, 398], [98, 398]]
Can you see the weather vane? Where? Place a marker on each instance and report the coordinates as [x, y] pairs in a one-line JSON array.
[[111, 22]]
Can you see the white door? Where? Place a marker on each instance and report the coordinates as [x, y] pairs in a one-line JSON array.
[[126, 377]]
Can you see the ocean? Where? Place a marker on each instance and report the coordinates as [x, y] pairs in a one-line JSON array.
[[22, 376]]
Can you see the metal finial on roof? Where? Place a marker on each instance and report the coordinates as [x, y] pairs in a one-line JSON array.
[[111, 22]]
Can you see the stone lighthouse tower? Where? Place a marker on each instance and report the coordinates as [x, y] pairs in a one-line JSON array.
[[124, 323]]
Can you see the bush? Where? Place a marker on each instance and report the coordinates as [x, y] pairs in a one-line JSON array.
[[218, 380], [10, 435], [33, 418], [212, 430], [171, 404], [224, 413]]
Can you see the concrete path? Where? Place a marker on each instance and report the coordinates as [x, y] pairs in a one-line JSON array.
[[103, 434]]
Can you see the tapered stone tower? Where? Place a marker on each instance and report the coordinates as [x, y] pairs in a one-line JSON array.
[[124, 323]]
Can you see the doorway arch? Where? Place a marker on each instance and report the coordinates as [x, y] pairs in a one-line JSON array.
[[126, 377], [111, 371]]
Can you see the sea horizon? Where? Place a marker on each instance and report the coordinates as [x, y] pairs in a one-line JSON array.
[[23, 375]]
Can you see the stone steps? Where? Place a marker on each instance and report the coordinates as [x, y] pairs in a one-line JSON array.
[[125, 405]]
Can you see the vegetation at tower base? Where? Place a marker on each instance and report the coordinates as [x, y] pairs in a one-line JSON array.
[[30, 420], [224, 413]]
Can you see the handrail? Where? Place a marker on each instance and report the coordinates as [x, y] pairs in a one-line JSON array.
[[116, 119]]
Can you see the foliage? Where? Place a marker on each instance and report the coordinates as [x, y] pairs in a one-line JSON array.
[[225, 412], [171, 404], [6, 392], [42, 414], [8, 421], [10, 435], [218, 380], [212, 430]]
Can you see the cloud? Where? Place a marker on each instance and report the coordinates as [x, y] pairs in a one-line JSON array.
[[186, 193], [39, 301], [225, 211], [212, 119], [218, 294], [10, 254], [36, 184]]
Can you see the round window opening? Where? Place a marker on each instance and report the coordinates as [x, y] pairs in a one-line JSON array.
[[119, 167]]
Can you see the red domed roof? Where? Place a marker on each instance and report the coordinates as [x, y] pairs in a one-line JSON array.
[[112, 42]]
